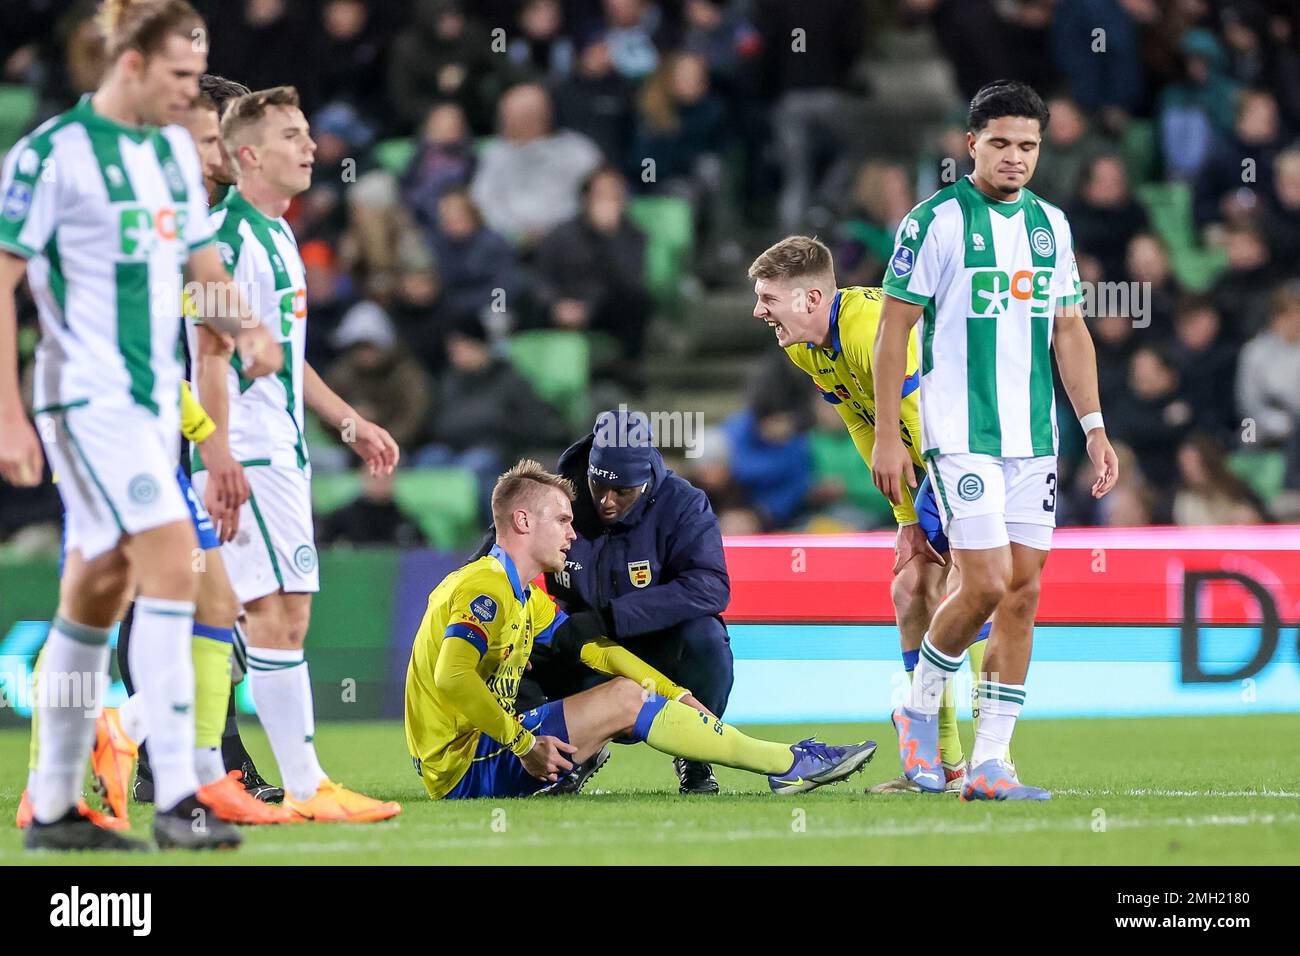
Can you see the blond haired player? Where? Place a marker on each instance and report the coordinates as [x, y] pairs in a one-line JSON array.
[[274, 567]]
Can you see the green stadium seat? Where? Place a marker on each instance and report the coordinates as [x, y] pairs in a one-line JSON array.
[[1169, 207], [669, 225], [17, 113], [443, 502], [1141, 151], [1264, 471], [558, 366], [395, 154]]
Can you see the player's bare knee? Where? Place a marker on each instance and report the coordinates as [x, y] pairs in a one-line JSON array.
[[215, 606], [1022, 600]]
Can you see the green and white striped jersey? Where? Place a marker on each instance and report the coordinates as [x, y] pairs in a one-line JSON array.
[[266, 413], [991, 276], [106, 216]]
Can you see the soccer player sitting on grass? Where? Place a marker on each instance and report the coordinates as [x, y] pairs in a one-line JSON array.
[[472, 648]]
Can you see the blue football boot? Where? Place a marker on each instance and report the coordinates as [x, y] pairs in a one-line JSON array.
[[918, 749], [996, 780], [817, 764]]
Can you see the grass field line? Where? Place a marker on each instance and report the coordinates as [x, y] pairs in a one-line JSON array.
[[580, 834], [1157, 792]]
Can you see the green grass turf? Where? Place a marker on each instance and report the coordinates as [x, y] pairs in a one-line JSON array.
[[1214, 790]]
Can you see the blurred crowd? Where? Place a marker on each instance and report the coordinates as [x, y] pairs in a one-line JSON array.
[[477, 161]]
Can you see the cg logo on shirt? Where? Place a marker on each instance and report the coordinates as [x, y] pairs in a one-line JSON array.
[[484, 608], [143, 489], [970, 486], [304, 559], [639, 572]]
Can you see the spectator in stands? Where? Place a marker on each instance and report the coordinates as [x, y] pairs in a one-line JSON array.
[[843, 497], [442, 56], [485, 414], [1208, 492], [970, 33], [539, 50], [378, 377], [1104, 216], [379, 230], [1242, 293], [632, 31], [330, 299], [597, 101], [1191, 113], [343, 141], [1134, 502], [478, 268], [711, 473], [1069, 148], [591, 269], [882, 196], [1268, 376], [1153, 416], [417, 308], [351, 57], [719, 31], [1238, 173], [1111, 85], [1115, 341], [1207, 365], [1282, 212], [1146, 261], [443, 160], [271, 43], [372, 518], [809, 74], [528, 176]]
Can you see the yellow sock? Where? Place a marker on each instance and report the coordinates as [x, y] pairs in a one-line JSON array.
[[211, 689], [682, 731], [949, 737]]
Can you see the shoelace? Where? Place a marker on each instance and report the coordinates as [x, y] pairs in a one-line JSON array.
[[816, 749]]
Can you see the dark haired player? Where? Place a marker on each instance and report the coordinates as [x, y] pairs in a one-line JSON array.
[[987, 268]]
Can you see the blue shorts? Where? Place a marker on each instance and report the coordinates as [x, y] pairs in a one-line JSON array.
[[496, 772], [927, 509], [203, 526], [199, 517]]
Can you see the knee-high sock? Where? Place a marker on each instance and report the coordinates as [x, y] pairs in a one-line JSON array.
[[34, 740], [69, 694], [934, 672], [211, 651], [999, 710], [682, 731], [281, 689], [976, 656], [163, 669], [949, 737]]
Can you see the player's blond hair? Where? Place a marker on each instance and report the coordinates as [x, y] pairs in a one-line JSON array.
[[795, 257], [145, 25], [243, 113], [522, 487]]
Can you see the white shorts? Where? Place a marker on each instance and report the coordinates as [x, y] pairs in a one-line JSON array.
[[116, 471], [987, 502], [275, 547]]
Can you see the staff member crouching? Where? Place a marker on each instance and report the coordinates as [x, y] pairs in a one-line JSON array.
[[647, 570]]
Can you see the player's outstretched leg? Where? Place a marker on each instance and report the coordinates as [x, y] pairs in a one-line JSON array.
[[621, 708]]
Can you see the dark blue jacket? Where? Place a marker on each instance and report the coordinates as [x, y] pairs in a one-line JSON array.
[[671, 528]]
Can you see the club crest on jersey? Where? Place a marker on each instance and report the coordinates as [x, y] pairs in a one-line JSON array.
[[970, 486], [1043, 242], [173, 174], [639, 572], [17, 200], [304, 559], [143, 489], [903, 261], [484, 608]]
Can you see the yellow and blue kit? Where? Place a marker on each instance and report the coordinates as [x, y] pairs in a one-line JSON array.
[[842, 374], [469, 654]]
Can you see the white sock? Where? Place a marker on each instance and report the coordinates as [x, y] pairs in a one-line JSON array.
[[281, 688], [163, 669], [69, 695], [999, 708], [133, 718], [208, 764], [933, 671]]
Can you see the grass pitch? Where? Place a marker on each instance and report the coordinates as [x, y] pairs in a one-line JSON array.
[[1221, 790]]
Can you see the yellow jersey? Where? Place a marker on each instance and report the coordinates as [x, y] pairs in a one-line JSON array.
[[842, 374]]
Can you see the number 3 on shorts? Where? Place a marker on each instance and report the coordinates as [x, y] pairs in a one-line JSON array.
[[1049, 503]]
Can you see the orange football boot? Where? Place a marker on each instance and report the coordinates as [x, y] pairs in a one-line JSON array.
[[111, 761], [335, 804], [232, 803], [102, 820]]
